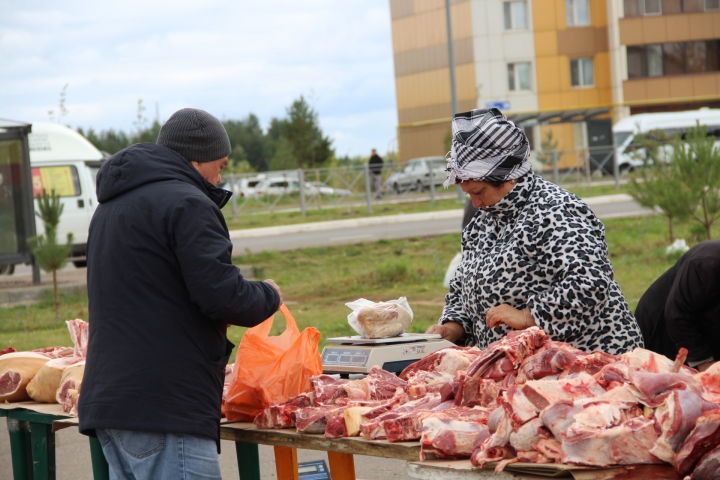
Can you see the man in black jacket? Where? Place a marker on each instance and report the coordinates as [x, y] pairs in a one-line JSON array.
[[375, 165], [162, 289], [682, 307]]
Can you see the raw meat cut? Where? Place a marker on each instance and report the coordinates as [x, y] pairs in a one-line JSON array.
[[453, 433], [79, 335], [423, 382], [44, 385], [552, 358], [625, 444], [16, 371], [705, 436], [327, 388], [314, 419], [446, 360], [55, 352], [374, 428], [675, 418], [282, 415], [69, 389]]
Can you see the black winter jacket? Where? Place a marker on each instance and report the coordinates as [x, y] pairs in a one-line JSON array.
[[682, 307], [161, 289]]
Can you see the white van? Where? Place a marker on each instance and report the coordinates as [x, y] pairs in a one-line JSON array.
[[671, 123], [63, 160]]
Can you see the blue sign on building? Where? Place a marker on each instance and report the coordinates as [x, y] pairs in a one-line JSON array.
[[500, 105]]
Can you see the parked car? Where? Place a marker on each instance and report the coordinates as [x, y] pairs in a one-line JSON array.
[[277, 186], [245, 187], [418, 174], [315, 188]]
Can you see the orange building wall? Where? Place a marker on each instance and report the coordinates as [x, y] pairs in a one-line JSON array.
[[555, 45]]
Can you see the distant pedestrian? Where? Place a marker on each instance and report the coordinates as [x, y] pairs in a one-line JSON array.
[[375, 165]]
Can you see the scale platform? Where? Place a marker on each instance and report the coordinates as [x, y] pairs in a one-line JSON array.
[[355, 354]]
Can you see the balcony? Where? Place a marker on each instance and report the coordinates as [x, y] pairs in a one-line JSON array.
[[647, 8]]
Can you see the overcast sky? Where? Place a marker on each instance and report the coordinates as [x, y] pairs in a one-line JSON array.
[[230, 58]]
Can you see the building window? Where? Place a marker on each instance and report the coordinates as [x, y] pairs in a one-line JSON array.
[[651, 7], [673, 59], [515, 14], [581, 72], [577, 13], [712, 5], [519, 76]]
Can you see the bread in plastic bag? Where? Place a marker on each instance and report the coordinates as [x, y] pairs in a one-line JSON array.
[[380, 319]]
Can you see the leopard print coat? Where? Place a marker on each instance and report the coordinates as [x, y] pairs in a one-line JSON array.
[[541, 247]]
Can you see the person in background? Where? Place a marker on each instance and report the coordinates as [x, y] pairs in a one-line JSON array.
[[532, 255], [682, 307], [162, 289], [375, 165]]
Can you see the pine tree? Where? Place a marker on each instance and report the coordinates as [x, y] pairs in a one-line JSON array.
[[49, 254]]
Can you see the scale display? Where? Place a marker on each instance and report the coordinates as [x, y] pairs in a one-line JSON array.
[[346, 355], [341, 356], [316, 470]]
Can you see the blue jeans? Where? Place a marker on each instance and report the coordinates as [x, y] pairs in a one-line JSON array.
[[134, 455]]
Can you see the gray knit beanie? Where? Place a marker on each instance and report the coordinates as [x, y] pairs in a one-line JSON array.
[[196, 135]]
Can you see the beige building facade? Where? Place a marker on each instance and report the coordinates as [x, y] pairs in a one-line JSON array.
[[563, 69]]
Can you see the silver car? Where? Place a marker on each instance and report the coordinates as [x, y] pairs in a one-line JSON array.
[[418, 174]]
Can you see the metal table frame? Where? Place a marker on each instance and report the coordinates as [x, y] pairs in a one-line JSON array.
[[32, 445]]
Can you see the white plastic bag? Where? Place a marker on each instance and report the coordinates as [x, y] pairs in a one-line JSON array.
[[380, 319]]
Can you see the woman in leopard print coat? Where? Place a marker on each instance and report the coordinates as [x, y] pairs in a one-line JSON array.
[[533, 254]]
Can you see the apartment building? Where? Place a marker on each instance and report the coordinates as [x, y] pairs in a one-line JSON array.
[[565, 70]]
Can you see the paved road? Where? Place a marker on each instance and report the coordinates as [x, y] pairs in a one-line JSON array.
[[370, 229], [390, 227]]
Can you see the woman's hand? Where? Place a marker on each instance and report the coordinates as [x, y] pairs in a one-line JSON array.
[[450, 331], [512, 317]]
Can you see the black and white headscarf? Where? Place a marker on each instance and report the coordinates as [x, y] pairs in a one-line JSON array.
[[486, 146]]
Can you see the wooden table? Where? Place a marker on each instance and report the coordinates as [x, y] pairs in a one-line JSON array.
[[286, 442], [463, 469], [32, 427], [341, 450]]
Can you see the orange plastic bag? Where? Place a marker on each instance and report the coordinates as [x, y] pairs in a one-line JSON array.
[[271, 369]]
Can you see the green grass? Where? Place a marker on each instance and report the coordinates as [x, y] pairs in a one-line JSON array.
[[317, 282]]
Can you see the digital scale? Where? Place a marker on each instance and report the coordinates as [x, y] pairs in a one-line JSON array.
[[356, 354]]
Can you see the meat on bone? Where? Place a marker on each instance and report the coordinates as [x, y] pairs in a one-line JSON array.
[[282, 414], [446, 360], [627, 443], [453, 433], [704, 437], [374, 428], [527, 400], [676, 417]]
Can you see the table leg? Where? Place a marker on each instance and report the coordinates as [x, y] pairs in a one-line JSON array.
[[100, 468], [248, 460], [19, 449], [286, 464], [43, 451], [342, 466]]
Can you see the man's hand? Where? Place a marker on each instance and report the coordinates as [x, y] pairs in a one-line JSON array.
[[512, 317], [450, 331], [275, 286]]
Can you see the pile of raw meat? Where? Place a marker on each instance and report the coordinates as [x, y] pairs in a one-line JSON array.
[[48, 375], [526, 398]]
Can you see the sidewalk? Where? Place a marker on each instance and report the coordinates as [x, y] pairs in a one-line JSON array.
[[19, 289]]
